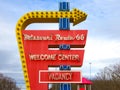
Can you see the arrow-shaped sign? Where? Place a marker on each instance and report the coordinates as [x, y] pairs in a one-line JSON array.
[[76, 16]]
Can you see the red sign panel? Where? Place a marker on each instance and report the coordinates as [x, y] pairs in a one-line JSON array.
[[59, 76], [37, 43], [39, 57]]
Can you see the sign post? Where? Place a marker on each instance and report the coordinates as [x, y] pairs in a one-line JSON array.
[[34, 47], [64, 24]]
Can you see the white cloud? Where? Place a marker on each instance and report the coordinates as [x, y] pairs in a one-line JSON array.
[[98, 49], [100, 52]]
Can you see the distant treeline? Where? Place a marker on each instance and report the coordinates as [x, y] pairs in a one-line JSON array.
[[108, 78], [7, 83]]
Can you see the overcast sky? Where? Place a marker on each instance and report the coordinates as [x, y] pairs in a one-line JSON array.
[[103, 25]]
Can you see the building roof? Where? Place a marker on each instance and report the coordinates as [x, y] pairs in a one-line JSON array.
[[86, 81]]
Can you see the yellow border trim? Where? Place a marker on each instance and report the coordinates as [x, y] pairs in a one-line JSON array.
[[22, 55]]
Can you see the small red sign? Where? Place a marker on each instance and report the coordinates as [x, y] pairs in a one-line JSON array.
[[46, 76], [82, 89]]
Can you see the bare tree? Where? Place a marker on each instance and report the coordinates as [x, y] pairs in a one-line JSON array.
[[108, 78], [7, 83]]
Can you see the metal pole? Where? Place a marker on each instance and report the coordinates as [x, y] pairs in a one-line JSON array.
[[90, 87], [90, 73], [64, 24], [78, 87], [90, 70]]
